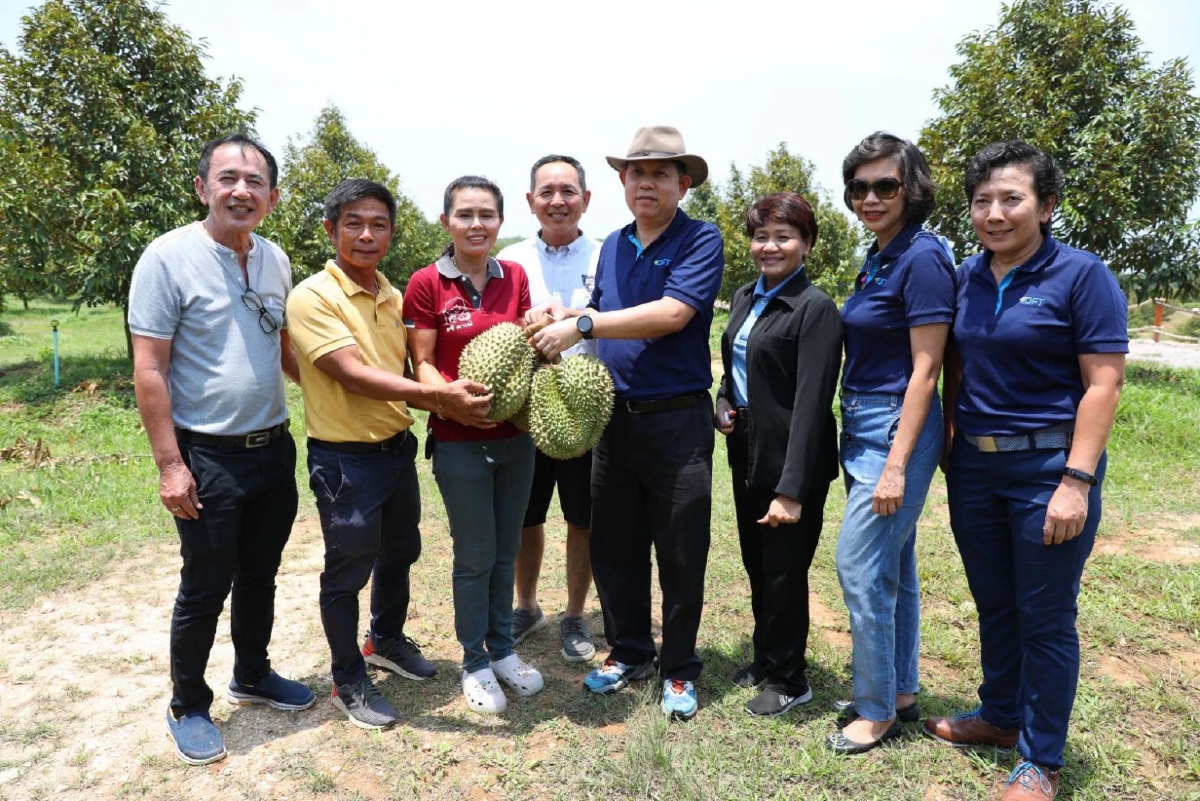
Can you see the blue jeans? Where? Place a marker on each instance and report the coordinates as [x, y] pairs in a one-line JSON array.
[[370, 509], [1025, 591], [485, 487], [876, 556]]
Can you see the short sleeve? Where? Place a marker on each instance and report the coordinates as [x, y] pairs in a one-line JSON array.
[[418, 300], [155, 303], [928, 286], [1099, 313], [316, 327], [523, 302], [695, 275]]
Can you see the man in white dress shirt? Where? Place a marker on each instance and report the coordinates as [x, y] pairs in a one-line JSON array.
[[561, 264]]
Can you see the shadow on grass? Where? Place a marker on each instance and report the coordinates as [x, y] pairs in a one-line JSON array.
[[108, 374], [1157, 376]]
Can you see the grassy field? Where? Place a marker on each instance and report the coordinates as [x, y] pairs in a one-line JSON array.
[[89, 565]]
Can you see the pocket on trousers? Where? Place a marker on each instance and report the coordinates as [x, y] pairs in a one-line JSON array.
[[326, 477], [893, 427]]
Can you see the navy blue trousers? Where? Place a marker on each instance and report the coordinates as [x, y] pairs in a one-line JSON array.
[[370, 508], [1025, 591], [652, 486]]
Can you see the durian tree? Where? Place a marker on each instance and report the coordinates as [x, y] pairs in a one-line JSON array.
[[1072, 77], [311, 167], [104, 108], [833, 263]]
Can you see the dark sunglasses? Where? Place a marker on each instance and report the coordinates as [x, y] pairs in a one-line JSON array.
[[266, 321], [884, 188]]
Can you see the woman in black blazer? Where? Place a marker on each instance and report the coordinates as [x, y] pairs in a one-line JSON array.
[[781, 353]]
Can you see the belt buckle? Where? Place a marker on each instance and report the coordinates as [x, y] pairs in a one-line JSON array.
[[258, 439], [985, 444]]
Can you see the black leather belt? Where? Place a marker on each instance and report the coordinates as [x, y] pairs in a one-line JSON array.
[[255, 439], [383, 446], [650, 405]]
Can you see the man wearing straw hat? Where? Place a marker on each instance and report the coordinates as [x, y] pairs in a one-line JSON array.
[[651, 310]]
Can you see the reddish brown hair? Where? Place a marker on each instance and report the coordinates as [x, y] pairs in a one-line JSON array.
[[783, 207]]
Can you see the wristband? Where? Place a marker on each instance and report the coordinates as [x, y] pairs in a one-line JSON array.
[[1086, 478]]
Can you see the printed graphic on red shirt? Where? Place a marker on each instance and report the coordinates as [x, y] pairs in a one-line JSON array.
[[456, 315]]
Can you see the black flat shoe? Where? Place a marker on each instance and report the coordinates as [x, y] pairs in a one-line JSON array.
[[840, 744], [905, 714]]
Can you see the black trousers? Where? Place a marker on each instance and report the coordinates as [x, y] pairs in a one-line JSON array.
[[370, 509], [652, 485], [249, 498], [776, 562]]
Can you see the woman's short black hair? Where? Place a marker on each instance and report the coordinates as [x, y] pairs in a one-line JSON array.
[[919, 188], [1047, 178]]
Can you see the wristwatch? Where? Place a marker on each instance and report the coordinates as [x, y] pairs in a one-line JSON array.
[[1086, 478], [583, 323]]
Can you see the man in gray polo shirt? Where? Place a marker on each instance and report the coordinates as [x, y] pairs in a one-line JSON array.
[[561, 264], [206, 310]]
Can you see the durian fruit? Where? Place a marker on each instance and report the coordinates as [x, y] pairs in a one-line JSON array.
[[521, 418], [501, 359], [570, 404]]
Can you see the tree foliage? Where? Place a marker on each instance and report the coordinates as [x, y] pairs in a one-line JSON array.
[[831, 265], [104, 109], [1070, 77], [311, 169]]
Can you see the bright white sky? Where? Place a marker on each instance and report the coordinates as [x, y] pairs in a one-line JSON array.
[[440, 89]]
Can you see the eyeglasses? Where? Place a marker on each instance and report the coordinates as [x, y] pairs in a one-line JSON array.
[[266, 321], [884, 188]]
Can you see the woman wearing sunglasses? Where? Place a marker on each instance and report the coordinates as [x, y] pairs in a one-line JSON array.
[[781, 353], [895, 328]]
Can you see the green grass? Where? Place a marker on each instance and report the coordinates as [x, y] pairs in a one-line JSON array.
[[1135, 739]]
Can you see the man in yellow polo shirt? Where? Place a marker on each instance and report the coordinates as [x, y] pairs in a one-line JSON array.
[[351, 350]]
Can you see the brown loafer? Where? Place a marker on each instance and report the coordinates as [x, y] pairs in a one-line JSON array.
[[967, 729], [1031, 782]]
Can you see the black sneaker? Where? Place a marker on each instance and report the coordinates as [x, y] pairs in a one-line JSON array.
[[399, 656], [772, 702], [751, 675], [364, 704]]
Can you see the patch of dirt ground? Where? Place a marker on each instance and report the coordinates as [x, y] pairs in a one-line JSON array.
[[1170, 539]]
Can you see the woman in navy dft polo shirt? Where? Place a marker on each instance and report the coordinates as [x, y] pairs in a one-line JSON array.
[[1040, 335], [895, 327]]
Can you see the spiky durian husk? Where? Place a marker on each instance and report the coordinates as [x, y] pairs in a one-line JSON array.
[[501, 359], [570, 404]]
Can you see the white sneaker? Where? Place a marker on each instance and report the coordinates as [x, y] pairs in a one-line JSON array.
[[522, 677], [482, 692]]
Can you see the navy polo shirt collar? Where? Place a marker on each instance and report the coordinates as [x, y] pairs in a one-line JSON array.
[[1043, 256], [898, 245], [629, 232]]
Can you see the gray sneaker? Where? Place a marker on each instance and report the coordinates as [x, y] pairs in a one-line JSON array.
[[364, 704], [576, 641], [526, 623]]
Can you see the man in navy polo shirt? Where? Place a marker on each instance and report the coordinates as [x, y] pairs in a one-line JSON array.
[[651, 309]]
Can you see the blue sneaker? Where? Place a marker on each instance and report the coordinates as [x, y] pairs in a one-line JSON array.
[[197, 741], [613, 675], [274, 691], [679, 699]]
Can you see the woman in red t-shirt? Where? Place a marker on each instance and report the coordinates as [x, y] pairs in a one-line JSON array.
[[484, 474]]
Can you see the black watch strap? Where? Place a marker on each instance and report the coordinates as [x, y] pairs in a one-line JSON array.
[[583, 323], [1087, 478]]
